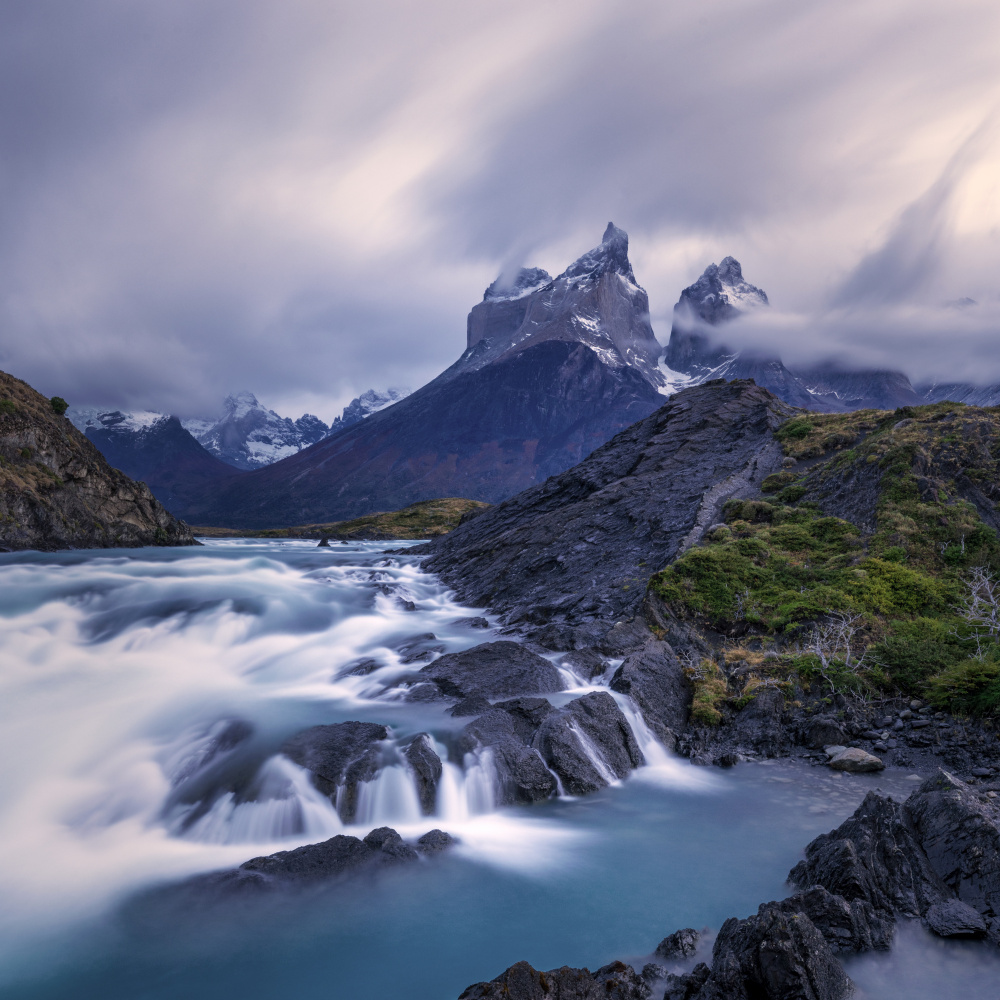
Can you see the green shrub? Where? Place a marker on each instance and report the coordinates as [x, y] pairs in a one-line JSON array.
[[8, 406], [794, 430], [59, 405], [710, 691], [972, 686]]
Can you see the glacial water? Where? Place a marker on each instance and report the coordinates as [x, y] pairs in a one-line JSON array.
[[120, 673]]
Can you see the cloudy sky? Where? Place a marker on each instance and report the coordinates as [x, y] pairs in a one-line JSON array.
[[304, 198]]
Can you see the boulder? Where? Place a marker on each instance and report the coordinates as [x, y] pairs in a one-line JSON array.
[[852, 927], [679, 945], [426, 767], [952, 918], [435, 841], [333, 858], [821, 733], [616, 981], [526, 714], [473, 704], [588, 743], [342, 754], [960, 837], [494, 669], [773, 955], [654, 678], [419, 648], [759, 725], [521, 772], [854, 760]]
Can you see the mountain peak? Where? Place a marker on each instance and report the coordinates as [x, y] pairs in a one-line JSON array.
[[526, 280], [721, 293], [610, 256]]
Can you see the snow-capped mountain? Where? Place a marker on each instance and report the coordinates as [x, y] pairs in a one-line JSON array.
[[248, 435], [596, 301], [960, 392], [697, 352], [553, 368], [369, 402]]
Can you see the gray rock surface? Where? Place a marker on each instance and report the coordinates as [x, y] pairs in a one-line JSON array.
[[681, 944], [854, 760], [823, 733], [575, 552], [342, 754], [589, 726], [952, 918], [654, 678], [961, 838], [493, 669], [427, 768], [616, 981]]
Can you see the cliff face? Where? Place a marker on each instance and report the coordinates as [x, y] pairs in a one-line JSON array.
[[58, 492]]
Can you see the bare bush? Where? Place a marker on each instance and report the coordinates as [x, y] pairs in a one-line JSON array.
[[979, 608]]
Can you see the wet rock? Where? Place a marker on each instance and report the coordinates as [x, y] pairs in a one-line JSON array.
[[527, 714], [587, 663], [686, 986], [874, 857], [521, 772], [344, 753], [960, 837], [588, 743], [435, 841], [952, 918], [681, 944], [773, 955], [821, 733], [332, 858], [363, 667], [654, 678], [224, 737], [850, 927], [427, 768], [497, 669], [419, 648], [759, 725], [422, 693], [471, 622], [616, 981], [324, 543], [854, 760], [473, 704]]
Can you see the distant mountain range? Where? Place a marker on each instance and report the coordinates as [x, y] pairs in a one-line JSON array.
[[553, 368]]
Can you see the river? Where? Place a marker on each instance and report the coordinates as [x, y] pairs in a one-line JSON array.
[[120, 668]]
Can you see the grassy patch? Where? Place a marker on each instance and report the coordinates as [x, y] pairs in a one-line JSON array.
[[426, 519]]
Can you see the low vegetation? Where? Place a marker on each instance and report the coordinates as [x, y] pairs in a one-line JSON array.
[[426, 519], [808, 601]]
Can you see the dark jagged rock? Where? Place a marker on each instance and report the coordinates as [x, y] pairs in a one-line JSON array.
[[474, 621], [574, 554], [494, 669], [427, 768], [435, 841], [681, 944], [961, 839], [57, 491], [773, 955], [593, 719], [419, 647], [521, 771], [759, 726], [473, 704], [342, 754], [952, 918], [616, 981], [654, 678], [873, 856], [851, 927]]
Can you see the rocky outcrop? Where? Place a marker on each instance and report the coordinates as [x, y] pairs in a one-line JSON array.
[[589, 743], [494, 669], [340, 756], [58, 492], [616, 981], [571, 558]]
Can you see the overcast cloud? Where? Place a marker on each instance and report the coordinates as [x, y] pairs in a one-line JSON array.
[[304, 198]]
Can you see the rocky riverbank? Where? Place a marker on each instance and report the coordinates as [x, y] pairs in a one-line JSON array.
[[934, 858]]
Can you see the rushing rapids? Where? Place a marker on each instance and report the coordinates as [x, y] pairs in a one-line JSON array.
[[149, 704]]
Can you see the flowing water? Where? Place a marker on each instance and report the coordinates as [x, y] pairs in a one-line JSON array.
[[144, 696]]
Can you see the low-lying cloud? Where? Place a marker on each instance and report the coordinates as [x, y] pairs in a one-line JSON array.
[[305, 198]]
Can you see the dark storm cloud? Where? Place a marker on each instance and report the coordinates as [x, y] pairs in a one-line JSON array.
[[304, 198]]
